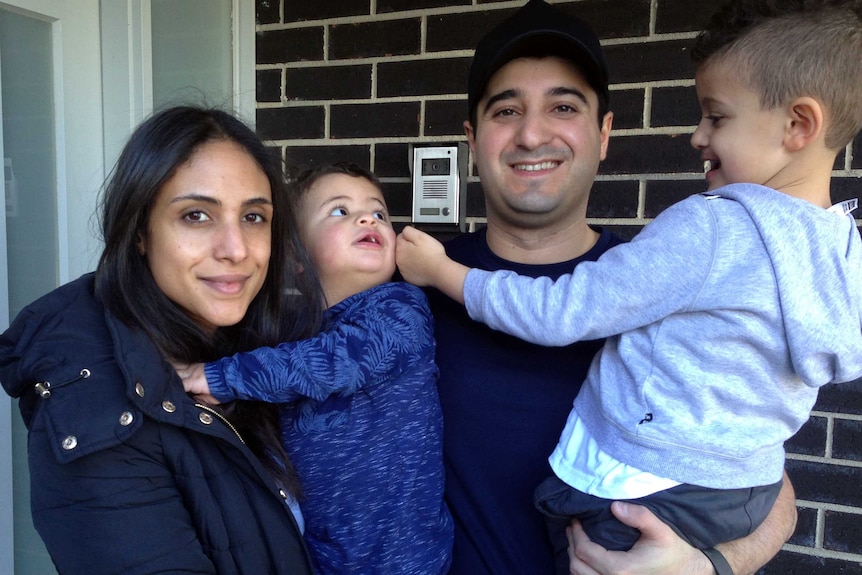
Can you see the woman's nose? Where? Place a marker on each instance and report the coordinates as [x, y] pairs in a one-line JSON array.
[[230, 243]]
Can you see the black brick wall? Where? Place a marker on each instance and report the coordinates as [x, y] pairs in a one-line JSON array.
[[362, 81]]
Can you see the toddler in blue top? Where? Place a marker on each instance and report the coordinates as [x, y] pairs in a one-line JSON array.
[[360, 416], [726, 313]]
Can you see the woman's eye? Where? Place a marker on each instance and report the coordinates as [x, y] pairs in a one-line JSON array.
[[255, 218], [196, 217], [338, 212]]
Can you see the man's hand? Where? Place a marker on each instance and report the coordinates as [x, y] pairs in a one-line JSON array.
[[659, 551], [195, 382]]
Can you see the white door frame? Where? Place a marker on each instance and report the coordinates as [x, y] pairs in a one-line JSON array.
[[100, 96], [127, 67]]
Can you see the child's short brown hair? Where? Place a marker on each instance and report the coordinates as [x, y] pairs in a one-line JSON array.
[[785, 49]]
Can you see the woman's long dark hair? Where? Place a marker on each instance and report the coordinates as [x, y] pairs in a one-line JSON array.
[[288, 305]]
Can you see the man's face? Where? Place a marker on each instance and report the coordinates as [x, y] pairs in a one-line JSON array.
[[537, 143]]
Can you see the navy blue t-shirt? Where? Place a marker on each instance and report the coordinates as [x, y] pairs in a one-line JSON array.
[[505, 403]]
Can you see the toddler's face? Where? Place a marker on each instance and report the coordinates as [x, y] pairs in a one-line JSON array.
[[345, 227], [739, 141]]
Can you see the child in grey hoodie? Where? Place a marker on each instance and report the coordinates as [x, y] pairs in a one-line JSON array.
[[725, 315]]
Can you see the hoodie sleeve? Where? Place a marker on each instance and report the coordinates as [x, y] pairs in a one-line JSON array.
[[374, 337], [658, 273]]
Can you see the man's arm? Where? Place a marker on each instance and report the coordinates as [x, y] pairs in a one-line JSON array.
[[749, 554], [661, 551]]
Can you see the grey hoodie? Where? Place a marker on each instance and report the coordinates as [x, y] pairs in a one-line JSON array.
[[724, 316]]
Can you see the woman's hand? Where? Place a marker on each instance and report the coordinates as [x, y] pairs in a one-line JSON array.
[[195, 382]]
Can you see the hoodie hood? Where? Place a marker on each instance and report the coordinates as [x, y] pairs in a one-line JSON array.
[[817, 258]]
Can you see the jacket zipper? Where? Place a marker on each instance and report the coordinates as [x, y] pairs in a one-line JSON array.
[[212, 411]]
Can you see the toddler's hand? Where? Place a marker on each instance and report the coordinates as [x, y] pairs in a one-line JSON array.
[[418, 256], [195, 381]]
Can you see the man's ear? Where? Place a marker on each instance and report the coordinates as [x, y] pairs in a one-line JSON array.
[[471, 134], [806, 123]]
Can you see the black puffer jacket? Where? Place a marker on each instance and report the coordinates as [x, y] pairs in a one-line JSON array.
[[127, 474]]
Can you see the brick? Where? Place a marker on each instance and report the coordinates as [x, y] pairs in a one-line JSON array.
[[843, 532], [446, 32], [789, 563], [268, 85], [445, 117], [328, 83], [302, 157], [375, 120], [805, 533], [810, 439], [298, 10], [374, 39], [387, 6], [841, 398], [399, 198], [614, 199], [650, 154], [607, 18], [463, 31], [661, 194], [649, 62], [422, 77], [676, 106], [847, 439], [290, 123], [856, 163], [282, 46], [836, 484], [846, 188], [684, 15], [628, 109], [392, 160], [475, 200], [625, 232], [267, 11]]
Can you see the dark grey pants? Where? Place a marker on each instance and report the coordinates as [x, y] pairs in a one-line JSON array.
[[701, 516]]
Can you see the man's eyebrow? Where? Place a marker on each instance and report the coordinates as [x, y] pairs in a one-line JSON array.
[[504, 95], [566, 91]]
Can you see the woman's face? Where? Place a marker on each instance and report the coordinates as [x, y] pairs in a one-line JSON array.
[[209, 238]]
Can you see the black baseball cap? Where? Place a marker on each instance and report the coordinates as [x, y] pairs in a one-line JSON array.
[[537, 29]]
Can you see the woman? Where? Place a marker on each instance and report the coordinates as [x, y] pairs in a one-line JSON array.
[[128, 474]]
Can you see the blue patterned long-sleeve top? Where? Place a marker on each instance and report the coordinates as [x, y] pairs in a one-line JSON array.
[[361, 422]]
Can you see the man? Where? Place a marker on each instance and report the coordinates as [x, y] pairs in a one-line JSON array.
[[539, 127]]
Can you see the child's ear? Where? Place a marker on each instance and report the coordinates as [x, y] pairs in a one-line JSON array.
[[806, 123]]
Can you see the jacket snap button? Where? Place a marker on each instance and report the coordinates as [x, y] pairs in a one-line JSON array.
[[169, 406], [283, 494], [139, 389], [71, 442], [126, 418], [205, 418]]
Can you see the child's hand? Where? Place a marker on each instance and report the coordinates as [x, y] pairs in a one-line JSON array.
[[423, 262], [418, 255], [195, 381]]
